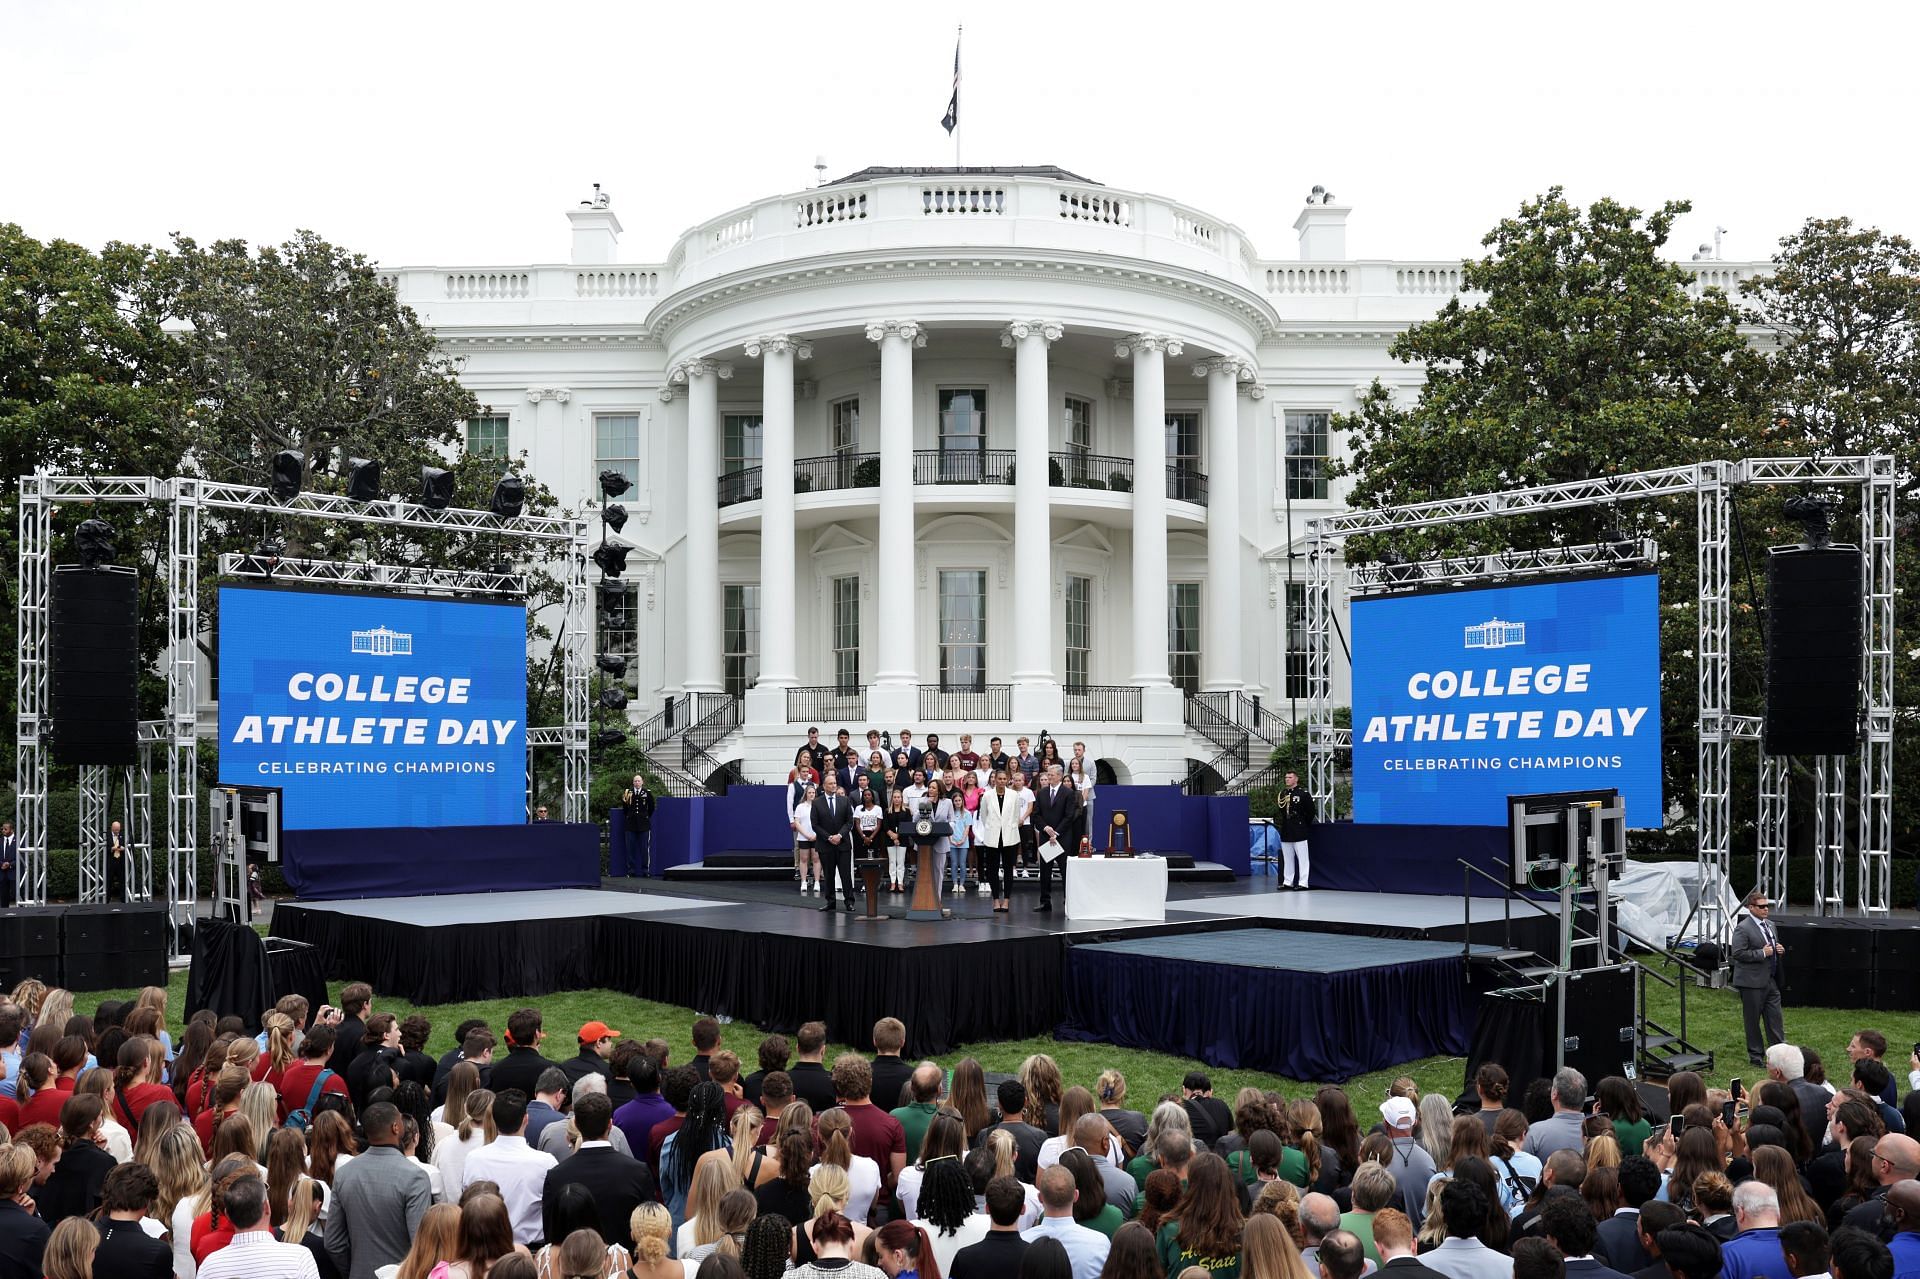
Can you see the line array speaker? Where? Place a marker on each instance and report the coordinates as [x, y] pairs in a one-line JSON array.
[[1813, 651], [94, 640]]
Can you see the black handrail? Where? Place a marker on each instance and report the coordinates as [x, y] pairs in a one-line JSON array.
[[740, 486], [1113, 703], [836, 471], [1185, 484], [963, 466], [1090, 471], [973, 703], [827, 702]]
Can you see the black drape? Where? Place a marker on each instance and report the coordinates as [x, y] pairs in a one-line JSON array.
[[230, 973]]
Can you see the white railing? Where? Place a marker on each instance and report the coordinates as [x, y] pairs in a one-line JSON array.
[[943, 200], [617, 283], [1427, 280], [1092, 206], [1724, 276], [728, 234], [486, 286], [1191, 230], [1307, 279], [822, 210]]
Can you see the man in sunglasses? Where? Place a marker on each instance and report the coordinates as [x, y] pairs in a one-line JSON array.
[[1756, 974]]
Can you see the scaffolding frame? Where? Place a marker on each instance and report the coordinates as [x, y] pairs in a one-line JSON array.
[[1712, 485], [187, 499]]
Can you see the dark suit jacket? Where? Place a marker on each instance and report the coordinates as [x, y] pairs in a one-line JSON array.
[[1055, 809], [519, 1069], [1752, 969], [23, 1240], [832, 815], [1410, 1268], [10, 854], [619, 1184], [346, 1044], [74, 1188], [1591, 1269], [889, 1074], [128, 1252], [1619, 1244]]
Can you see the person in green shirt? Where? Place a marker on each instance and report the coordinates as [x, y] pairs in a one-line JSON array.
[[1373, 1188], [1169, 1120], [918, 1113], [1205, 1228], [1618, 1100], [1267, 1158]]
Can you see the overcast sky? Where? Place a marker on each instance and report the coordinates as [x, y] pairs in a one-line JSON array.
[[427, 133]]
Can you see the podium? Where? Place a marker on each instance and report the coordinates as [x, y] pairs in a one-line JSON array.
[[926, 887]]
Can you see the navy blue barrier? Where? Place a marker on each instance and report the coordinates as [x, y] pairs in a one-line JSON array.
[[1211, 828], [745, 819], [1382, 858], [406, 861]]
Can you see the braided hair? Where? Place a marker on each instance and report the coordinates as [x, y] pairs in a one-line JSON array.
[[946, 1195], [705, 1129]]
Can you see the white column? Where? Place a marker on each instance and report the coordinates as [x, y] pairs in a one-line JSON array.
[[547, 445], [1149, 351], [704, 671], [894, 697], [1036, 688], [1221, 637], [779, 668]]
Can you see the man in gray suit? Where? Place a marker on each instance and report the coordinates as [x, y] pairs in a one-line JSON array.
[[378, 1200], [1756, 975]]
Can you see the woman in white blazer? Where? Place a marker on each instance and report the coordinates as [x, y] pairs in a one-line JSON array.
[[997, 836]]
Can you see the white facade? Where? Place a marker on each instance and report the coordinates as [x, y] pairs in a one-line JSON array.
[[745, 380]]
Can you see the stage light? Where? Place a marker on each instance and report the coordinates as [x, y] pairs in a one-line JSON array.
[[1815, 517], [613, 604], [363, 480], [96, 542], [611, 559], [436, 488], [289, 473], [613, 699], [613, 483], [608, 738], [614, 516], [509, 496], [612, 663]]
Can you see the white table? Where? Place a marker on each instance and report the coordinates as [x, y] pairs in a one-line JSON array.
[[1117, 888]]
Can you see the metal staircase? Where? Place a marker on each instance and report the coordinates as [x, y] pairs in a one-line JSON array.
[[1244, 734], [679, 742]]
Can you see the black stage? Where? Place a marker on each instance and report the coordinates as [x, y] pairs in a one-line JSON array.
[[762, 953]]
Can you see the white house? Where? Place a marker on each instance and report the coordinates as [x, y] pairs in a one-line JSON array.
[[999, 449]]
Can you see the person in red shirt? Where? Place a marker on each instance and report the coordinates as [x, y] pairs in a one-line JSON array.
[[227, 1087], [296, 1086], [69, 1055], [211, 1229], [133, 1088], [272, 1066], [876, 1133]]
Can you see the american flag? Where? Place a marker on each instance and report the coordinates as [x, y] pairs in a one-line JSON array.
[[951, 120]]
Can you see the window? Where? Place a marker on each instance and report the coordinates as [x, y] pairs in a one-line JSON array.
[[619, 629], [963, 436], [1183, 636], [1183, 456], [846, 426], [740, 638], [1078, 435], [1296, 639], [487, 437], [1079, 633], [616, 445], [739, 442], [963, 629], [846, 634], [1307, 455]]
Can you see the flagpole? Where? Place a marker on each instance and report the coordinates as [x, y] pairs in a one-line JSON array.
[[958, 31]]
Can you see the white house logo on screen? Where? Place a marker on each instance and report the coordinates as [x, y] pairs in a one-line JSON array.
[[1494, 633], [381, 642]]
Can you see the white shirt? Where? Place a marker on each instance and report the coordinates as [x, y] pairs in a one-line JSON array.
[[947, 1247], [182, 1227], [119, 1144], [803, 819], [521, 1172], [863, 1180], [1053, 1147], [450, 1157], [255, 1254], [1086, 1247], [1024, 797]]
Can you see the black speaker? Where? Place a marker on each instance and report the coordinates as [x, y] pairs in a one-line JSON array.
[[1813, 651], [95, 643], [116, 970], [102, 927], [1896, 958], [1829, 963], [30, 944]]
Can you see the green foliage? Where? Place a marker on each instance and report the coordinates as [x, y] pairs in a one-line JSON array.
[[867, 474], [1120, 482]]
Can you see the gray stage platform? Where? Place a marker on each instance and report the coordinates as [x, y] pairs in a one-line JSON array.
[[486, 908], [1294, 951]]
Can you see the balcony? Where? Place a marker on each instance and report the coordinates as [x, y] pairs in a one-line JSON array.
[[1184, 484], [963, 466], [967, 703], [830, 704], [1103, 703], [810, 475], [1090, 471]]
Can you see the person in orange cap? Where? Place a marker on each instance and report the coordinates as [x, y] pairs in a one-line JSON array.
[[596, 1047]]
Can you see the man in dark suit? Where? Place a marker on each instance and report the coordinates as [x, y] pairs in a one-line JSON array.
[[1570, 1227], [1656, 1216], [1756, 951], [523, 1065], [117, 863], [1393, 1238], [350, 1026], [915, 757], [1054, 805], [619, 1182], [1618, 1243], [9, 863], [833, 839], [638, 804]]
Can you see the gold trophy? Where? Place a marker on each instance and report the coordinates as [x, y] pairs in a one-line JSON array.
[[1118, 832]]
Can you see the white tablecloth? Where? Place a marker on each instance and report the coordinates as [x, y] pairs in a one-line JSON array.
[[1116, 888]]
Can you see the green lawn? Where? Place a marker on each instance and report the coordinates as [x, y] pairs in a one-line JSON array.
[[1713, 1022]]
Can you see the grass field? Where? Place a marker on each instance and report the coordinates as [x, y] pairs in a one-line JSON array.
[[1713, 1022]]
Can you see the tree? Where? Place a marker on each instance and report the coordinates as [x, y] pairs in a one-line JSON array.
[[1574, 351]]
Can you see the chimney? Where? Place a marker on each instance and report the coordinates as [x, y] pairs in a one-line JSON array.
[[1323, 229], [596, 231]]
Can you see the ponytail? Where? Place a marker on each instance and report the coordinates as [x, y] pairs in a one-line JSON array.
[[132, 1060]]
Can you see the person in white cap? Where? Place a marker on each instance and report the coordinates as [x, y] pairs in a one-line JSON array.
[[1411, 1165]]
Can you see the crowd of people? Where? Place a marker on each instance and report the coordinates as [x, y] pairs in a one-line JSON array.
[[994, 817], [335, 1145]]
